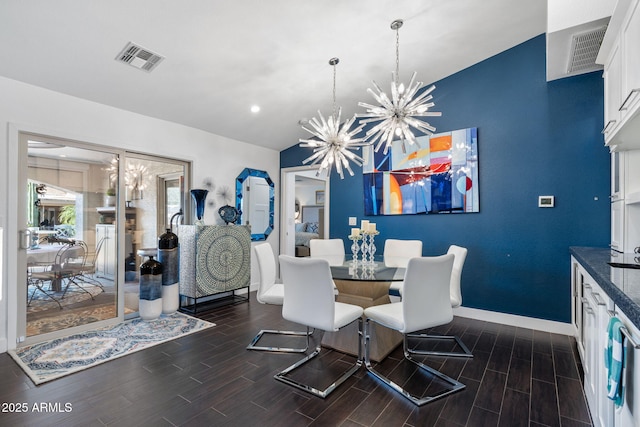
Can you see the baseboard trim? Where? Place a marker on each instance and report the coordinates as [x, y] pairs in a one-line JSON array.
[[515, 320]]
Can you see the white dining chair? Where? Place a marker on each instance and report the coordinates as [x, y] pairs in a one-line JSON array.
[[455, 296], [397, 253], [270, 292], [425, 304], [331, 250], [309, 300]]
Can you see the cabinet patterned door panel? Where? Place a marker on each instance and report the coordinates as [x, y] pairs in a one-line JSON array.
[[214, 259]]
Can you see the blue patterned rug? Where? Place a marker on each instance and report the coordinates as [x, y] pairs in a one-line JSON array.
[[53, 359]]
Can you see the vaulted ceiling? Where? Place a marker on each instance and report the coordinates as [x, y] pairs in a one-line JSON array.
[[222, 57]]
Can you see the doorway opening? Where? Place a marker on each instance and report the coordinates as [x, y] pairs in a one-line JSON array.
[[305, 209]]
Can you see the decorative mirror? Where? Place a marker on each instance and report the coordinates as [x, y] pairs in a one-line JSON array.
[[255, 199]]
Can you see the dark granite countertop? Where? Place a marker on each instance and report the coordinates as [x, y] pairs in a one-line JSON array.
[[622, 285]]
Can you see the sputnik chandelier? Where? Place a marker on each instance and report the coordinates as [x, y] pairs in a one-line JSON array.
[[403, 111], [333, 142]]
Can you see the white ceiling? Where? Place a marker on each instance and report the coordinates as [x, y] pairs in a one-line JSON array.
[[221, 57]]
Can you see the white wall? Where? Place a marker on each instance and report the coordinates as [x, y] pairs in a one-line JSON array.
[[31, 108]]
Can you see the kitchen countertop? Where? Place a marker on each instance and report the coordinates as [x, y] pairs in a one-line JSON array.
[[622, 285]]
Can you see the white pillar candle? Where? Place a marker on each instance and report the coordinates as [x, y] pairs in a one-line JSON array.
[[355, 232], [372, 227], [364, 224]]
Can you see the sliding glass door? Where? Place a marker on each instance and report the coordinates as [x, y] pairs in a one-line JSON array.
[[87, 215], [69, 208]]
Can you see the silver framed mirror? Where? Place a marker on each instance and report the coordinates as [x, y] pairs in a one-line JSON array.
[[255, 196]]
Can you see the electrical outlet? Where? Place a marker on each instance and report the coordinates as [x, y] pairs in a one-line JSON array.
[[353, 220]]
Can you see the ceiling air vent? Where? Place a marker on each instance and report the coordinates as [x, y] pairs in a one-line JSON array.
[[584, 49], [139, 57]]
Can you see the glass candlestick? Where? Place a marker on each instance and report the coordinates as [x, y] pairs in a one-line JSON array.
[[355, 247], [371, 246]]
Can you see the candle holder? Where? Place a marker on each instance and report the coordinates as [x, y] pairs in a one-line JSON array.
[[355, 247], [371, 246]]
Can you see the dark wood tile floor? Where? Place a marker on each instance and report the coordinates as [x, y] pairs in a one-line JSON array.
[[518, 377]]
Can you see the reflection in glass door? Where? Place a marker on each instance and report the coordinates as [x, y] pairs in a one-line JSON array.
[[71, 211], [154, 192]]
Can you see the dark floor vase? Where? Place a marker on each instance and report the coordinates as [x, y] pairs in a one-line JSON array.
[[150, 289], [168, 255]]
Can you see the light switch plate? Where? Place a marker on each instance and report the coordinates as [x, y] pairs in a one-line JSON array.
[[546, 201], [353, 220]]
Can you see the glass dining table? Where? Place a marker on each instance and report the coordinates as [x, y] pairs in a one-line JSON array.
[[365, 285]]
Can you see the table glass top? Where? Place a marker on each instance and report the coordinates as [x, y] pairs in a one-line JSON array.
[[367, 272]]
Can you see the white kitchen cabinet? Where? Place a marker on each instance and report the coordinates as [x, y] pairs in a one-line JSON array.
[[589, 339], [603, 416], [617, 225], [617, 175], [594, 306], [612, 93], [620, 54], [577, 279], [630, 41], [627, 415]]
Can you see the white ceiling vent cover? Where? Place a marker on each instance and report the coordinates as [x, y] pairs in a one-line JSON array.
[[584, 49], [139, 57]]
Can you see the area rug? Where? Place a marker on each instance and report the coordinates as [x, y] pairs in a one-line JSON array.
[[42, 302], [56, 358], [69, 318]]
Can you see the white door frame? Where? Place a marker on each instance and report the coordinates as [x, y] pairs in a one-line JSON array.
[[287, 206]]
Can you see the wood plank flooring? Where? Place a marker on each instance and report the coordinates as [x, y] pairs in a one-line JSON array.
[[518, 377]]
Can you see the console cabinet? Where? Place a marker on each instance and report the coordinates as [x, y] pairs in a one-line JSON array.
[[214, 259]]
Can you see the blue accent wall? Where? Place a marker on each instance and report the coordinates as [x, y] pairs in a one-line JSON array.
[[534, 138]]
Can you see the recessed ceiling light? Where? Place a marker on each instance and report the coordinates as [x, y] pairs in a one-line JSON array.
[[255, 108]]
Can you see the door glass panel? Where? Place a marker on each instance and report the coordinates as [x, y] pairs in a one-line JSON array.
[[154, 193], [71, 213]]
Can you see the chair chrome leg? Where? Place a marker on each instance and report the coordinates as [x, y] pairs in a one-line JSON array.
[[253, 345], [454, 386], [464, 353], [282, 376]]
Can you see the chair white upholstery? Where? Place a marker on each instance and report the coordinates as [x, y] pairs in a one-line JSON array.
[[425, 304], [455, 296], [270, 292], [309, 300], [397, 253], [331, 250]]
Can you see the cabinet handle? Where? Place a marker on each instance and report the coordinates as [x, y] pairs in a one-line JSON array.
[[606, 127], [624, 104], [587, 306], [598, 298], [586, 286]]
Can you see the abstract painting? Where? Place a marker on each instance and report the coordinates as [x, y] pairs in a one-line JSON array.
[[438, 174]]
